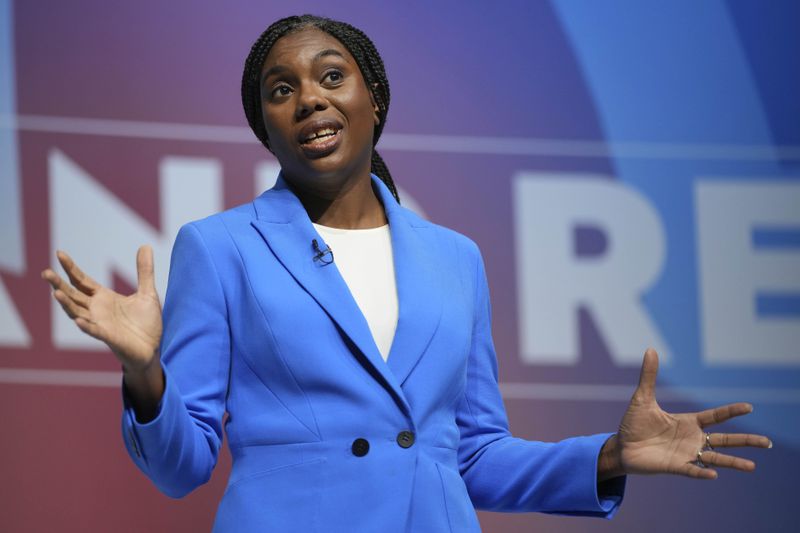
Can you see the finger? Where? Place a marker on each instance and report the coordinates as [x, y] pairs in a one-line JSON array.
[[735, 440], [72, 309], [58, 283], [144, 270], [697, 472], [647, 376], [727, 461], [721, 414], [76, 276], [52, 278]]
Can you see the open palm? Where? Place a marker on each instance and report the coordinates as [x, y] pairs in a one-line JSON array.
[[129, 325], [652, 441]]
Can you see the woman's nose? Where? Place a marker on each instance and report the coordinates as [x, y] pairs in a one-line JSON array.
[[309, 100]]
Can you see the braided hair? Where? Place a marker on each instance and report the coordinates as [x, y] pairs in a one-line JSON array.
[[360, 47]]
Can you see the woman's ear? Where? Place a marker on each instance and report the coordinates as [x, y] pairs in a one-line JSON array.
[[375, 107]]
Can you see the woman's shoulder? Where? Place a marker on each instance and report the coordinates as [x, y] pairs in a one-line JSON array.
[[448, 238], [216, 229], [235, 216]]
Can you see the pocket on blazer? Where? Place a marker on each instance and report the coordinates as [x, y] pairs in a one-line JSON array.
[[284, 498], [460, 511]]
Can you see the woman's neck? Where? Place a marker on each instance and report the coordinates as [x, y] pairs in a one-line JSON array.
[[353, 207]]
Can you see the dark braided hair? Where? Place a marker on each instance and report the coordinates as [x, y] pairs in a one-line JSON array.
[[360, 47]]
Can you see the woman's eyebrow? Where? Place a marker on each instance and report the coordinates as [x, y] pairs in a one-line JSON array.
[[327, 52], [277, 69]]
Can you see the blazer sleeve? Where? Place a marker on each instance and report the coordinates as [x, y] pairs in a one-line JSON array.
[[178, 449], [506, 473]]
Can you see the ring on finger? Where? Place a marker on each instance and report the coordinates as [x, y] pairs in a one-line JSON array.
[[708, 442], [699, 460]]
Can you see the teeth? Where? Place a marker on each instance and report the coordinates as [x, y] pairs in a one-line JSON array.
[[321, 133]]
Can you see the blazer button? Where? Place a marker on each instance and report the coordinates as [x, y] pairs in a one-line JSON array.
[[360, 447], [405, 439]]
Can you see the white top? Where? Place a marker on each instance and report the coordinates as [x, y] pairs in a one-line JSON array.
[[365, 261]]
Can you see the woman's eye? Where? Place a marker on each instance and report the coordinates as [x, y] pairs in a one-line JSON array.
[[334, 76], [281, 90]]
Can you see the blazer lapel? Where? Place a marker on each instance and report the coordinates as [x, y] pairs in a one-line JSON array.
[[418, 286], [284, 224]]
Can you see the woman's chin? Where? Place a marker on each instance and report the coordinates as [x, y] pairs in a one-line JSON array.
[[330, 165]]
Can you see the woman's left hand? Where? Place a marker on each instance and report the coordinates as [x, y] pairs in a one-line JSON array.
[[652, 441]]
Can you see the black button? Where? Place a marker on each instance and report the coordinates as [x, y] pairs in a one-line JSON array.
[[360, 447], [405, 439]]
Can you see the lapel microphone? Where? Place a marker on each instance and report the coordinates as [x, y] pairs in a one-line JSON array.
[[319, 255]]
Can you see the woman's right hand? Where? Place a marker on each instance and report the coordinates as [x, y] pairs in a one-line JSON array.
[[129, 325]]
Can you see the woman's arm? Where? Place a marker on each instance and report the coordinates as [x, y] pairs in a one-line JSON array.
[[506, 473], [178, 448], [582, 475], [174, 385]]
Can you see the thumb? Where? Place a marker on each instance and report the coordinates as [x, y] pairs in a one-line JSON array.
[[647, 377], [144, 270]]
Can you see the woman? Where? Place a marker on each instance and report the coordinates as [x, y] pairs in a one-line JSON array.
[[361, 387]]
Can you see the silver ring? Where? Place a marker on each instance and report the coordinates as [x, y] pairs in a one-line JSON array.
[[699, 459], [708, 442]]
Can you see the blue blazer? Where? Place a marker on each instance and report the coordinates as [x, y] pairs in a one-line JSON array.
[[324, 434]]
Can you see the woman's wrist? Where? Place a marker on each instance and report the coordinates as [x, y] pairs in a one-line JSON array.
[[141, 369], [145, 388], [609, 462]]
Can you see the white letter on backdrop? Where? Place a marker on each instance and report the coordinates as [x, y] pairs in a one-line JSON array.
[[553, 282], [733, 271]]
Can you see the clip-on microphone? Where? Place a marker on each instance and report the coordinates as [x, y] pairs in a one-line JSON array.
[[320, 254]]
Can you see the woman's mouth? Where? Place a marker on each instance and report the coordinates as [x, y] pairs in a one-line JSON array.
[[321, 142]]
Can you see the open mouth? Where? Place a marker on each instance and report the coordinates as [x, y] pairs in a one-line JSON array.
[[320, 136]]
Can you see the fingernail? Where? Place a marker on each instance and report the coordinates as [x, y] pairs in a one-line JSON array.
[[751, 408], [770, 444]]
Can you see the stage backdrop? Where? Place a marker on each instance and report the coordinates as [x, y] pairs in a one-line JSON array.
[[628, 169]]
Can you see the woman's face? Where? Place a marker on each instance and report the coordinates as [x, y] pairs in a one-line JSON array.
[[317, 111]]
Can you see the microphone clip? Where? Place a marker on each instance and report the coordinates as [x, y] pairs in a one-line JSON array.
[[319, 255]]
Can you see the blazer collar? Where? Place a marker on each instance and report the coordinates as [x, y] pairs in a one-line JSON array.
[[285, 226]]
